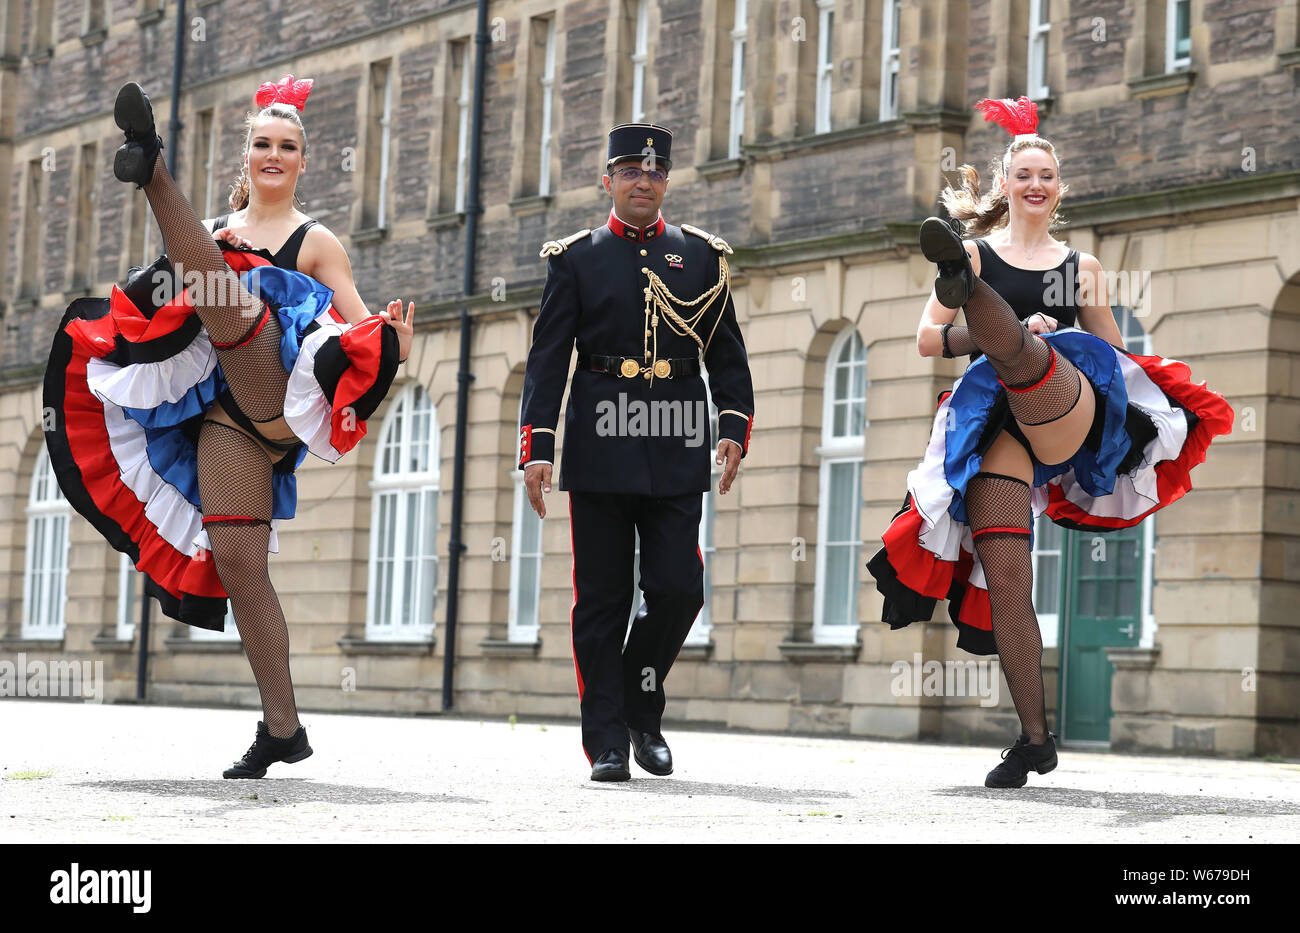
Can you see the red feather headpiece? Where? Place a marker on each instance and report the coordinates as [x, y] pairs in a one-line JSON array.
[[1017, 117], [284, 91]]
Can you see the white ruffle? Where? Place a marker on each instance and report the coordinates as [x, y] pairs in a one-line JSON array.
[[177, 521], [307, 410], [1135, 492], [148, 385]]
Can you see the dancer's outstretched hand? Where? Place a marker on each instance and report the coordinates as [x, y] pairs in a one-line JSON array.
[[405, 326], [226, 235]]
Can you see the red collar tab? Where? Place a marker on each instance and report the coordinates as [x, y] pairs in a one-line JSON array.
[[638, 234]]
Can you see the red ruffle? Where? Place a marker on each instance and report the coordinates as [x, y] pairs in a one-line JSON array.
[[363, 343], [1173, 477]]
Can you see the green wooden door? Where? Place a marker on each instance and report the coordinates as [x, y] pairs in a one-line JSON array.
[[1102, 600]]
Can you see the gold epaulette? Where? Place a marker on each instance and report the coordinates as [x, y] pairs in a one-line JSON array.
[[716, 242], [555, 247]]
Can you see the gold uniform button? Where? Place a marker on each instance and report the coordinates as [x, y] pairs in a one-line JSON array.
[[662, 368], [642, 252], [644, 269]]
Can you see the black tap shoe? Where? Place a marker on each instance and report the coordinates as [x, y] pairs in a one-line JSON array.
[[135, 159]]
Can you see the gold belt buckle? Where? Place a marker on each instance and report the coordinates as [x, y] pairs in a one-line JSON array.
[[629, 369], [662, 369]]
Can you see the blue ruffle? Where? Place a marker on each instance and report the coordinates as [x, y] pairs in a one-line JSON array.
[[298, 299], [197, 399], [975, 397]]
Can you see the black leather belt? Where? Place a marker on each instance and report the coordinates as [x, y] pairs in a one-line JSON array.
[[623, 366]]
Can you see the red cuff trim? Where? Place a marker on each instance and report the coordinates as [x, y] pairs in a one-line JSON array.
[[749, 429], [1047, 375], [525, 443]]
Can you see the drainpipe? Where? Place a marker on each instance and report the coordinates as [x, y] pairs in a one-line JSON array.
[[173, 148], [463, 376]]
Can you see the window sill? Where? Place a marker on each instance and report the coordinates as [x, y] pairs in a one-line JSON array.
[[801, 652], [443, 221], [778, 149], [1125, 658], [1177, 82], [186, 644], [36, 644], [499, 648], [721, 168], [94, 37], [1289, 59], [10, 61], [701, 651], [146, 17], [25, 304], [358, 646], [202, 3], [527, 206], [111, 644], [77, 291], [39, 56], [369, 235]]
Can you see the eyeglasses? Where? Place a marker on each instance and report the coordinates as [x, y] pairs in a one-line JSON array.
[[634, 173]]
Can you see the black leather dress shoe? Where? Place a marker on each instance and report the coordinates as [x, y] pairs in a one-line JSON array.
[[135, 159], [651, 752], [1020, 759], [611, 766], [942, 246], [267, 750]]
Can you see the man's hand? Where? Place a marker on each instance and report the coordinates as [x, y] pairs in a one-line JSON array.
[[730, 450], [537, 480], [1040, 323]]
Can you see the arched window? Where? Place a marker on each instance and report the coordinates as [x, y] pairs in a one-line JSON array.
[[404, 522], [525, 566], [844, 423], [45, 578]]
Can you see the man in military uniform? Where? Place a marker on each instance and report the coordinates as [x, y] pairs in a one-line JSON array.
[[645, 301]]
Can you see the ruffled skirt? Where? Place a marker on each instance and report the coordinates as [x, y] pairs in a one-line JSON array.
[[128, 381], [1152, 426]]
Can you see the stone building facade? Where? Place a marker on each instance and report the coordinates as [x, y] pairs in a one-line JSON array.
[[814, 137]]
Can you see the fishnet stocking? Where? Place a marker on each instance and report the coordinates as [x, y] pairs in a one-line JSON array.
[[254, 371], [235, 479], [1021, 360], [994, 501]]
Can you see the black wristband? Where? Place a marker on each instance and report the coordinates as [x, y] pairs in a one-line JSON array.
[[943, 337]]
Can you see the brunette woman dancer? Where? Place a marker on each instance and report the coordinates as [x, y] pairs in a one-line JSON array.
[[223, 390], [1053, 415]]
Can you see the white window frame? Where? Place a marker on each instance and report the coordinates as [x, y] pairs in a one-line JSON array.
[[640, 48], [462, 128], [739, 33], [1040, 25], [548, 88], [889, 62], [825, 64], [127, 606], [385, 147], [1048, 622], [702, 628], [48, 525], [229, 633], [1138, 341], [1172, 60], [833, 450], [426, 484], [210, 166], [524, 631]]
